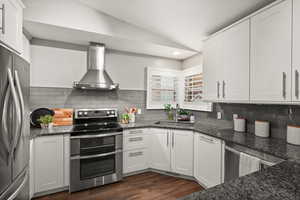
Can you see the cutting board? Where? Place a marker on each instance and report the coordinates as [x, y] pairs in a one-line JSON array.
[[63, 117]]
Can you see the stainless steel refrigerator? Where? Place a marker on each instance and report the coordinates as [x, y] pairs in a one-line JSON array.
[[14, 126]]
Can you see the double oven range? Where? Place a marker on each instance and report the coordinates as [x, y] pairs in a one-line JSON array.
[[96, 156]]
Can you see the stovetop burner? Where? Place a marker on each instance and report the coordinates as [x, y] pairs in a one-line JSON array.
[[106, 126], [96, 120]]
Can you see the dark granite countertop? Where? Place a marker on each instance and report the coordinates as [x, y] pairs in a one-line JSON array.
[[280, 182]]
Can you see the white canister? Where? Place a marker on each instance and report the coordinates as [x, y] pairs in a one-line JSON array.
[[262, 128], [239, 124], [293, 135]]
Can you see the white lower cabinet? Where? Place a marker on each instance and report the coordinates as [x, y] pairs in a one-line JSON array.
[[208, 160], [182, 152], [172, 151], [135, 145], [135, 160], [160, 149], [49, 163]]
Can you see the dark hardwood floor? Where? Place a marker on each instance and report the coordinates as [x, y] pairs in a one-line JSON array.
[[146, 186]]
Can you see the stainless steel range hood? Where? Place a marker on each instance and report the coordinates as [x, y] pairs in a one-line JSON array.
[[96, 77]]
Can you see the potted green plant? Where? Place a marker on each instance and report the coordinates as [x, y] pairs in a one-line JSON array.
[[46, 121], [169, 111], [125, 118]]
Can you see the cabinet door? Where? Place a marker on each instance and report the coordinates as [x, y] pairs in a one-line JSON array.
[[182, 152], [160, 149], [48, 163], [135, 160], [213, 68], [12, 20], [236, 54], [296, 52], [208, 160], [271, 32]]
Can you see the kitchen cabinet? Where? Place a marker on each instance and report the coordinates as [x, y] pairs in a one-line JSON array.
[[236, 60], [11, 26], [167, 151], [182, 152], [136, 153], [213, 68], [49, 174], [271, 40], [208, 160], [160, 149], [226, 64], [296, 52], [25, 49]]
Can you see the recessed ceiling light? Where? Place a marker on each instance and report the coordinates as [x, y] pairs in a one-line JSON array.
[[176, 53]]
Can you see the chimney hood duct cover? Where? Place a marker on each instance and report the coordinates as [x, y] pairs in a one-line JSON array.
[[96, 77]]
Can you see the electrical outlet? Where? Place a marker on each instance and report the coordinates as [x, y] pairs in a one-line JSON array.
[[219, 115], [235, 116]]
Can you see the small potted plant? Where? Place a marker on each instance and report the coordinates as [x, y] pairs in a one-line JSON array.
[[46, 121], [125, 118], [169, 111]]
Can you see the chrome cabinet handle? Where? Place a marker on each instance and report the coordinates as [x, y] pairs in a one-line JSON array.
[[16, 104], [135, 132], [3, 18], [284, 85], [223, 89], [135, 154], [167, 138], [218, 89], [135, 139], [297, 84], [173, 140], [22, 109], [205, 139], [96, 156]]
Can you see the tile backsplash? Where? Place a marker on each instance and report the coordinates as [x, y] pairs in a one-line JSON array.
[[72, 98], [278, 115]]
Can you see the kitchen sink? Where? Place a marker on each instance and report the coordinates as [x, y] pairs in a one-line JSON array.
[[174, 123]]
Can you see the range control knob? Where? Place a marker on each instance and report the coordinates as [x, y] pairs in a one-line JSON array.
[[79, 113], [85, 113]]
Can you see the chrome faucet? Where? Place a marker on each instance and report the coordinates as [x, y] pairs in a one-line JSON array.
[[176, 112]]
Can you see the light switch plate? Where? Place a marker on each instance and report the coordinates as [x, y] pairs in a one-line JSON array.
[[235, 116], [219, 115]]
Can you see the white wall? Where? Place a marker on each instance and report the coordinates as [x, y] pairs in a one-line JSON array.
[[193, 61], [59, 67]]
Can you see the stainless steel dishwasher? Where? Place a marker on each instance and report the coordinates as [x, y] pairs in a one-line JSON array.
[[232, 160]]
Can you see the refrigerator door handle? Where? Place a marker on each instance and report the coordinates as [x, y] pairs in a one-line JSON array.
[[20, 94], [4, 119], [17, 107]]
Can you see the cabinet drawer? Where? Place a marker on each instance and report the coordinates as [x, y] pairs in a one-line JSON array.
[[134, 132], [135, 160], [135, 141]]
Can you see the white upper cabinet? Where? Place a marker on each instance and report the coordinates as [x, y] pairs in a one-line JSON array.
[[11, 24], [226, 65], [236, 61], [271, 41], [296, 51], [213, 68]]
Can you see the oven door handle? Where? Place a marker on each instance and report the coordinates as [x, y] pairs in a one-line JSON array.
[[95, 156], [96, 136]]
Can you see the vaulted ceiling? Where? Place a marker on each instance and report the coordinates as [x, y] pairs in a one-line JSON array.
[[186, 22]]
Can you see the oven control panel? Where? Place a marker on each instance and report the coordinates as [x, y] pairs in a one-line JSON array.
[[95, 113]]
